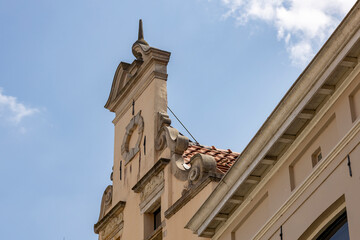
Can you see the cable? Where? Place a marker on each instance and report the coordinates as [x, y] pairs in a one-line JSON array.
[[182, 125]]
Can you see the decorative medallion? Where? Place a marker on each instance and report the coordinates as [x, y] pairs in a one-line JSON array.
[[136, 122]]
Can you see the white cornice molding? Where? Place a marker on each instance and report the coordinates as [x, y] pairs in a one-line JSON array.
[[299, 140]]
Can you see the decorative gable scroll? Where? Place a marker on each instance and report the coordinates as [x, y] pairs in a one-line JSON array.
[[106, 201], [203, 170], [124, 73], [170, 137]]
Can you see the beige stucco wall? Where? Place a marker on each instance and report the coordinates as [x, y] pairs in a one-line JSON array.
[[131, 172], [315, 188], [134, 170], [324, 139], [174, 227]]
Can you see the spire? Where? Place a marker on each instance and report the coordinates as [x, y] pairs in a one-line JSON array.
[[141, 33], [141, 39]]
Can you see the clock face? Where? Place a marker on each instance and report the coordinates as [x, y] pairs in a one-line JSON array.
[[132, 138]]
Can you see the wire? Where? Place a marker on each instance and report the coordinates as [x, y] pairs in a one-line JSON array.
[[182, 125]]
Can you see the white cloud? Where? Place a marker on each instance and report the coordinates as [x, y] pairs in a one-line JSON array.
[[304, 25], [13, 111]]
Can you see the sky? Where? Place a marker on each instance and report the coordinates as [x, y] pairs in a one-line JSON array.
[[231, 63]]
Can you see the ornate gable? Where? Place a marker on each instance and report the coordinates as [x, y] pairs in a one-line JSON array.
[[125, 72], [126, 75]]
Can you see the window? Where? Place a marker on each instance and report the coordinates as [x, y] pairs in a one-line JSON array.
[[316, 156], [152, 223], [157, 218], [338, 230]]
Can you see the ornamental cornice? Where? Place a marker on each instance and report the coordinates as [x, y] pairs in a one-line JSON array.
[[113, 217], [154, 171], [154, 186]]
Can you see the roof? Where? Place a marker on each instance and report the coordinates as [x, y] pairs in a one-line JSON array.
[[224, 158]]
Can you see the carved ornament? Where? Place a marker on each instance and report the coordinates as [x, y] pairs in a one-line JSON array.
[[113, 226], [202, 166], [136, 122], [163, 120], [155, 170], [152, 185], [203, 170]]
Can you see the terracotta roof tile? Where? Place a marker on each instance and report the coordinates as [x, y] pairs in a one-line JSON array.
[[224, 158]]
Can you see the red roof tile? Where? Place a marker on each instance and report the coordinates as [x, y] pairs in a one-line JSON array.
[[224, 158]]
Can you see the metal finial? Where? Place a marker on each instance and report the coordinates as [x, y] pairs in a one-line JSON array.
[[141, 34]]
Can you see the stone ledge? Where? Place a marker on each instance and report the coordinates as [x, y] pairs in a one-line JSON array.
[[159, 165], [112, 213], [156, 234], [189, 194]]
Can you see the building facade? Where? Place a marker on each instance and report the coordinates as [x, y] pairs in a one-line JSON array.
[[159, 176], [298, 178]]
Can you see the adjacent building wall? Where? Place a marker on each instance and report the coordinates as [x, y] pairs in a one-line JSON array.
[[302, 192]]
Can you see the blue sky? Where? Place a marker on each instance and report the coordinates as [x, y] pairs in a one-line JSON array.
[[231, 63]]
